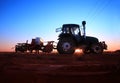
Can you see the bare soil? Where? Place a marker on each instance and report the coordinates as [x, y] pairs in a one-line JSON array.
[[56, 68]]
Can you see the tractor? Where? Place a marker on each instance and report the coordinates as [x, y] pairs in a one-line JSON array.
[[71, 38]]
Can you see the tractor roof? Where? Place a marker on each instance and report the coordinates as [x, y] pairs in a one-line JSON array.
[[70, 25]]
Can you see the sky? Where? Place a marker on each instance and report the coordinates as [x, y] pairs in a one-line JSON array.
[[22, 20]]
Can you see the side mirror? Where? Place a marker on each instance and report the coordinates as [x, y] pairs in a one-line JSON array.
[[58, 29]]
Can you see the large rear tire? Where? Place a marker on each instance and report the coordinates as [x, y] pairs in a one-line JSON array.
[[66, 46]]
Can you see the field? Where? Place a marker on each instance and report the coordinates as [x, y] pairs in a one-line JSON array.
[[56, 68]]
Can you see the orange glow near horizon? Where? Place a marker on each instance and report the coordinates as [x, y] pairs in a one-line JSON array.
[[113, 47], [7, 47]]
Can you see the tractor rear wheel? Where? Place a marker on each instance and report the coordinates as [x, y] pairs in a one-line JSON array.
[[97, 48], [66, 46]]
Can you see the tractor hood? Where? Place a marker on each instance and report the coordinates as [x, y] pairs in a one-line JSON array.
[[92, 39]]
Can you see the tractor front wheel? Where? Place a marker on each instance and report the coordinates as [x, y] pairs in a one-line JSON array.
[[97, 48]]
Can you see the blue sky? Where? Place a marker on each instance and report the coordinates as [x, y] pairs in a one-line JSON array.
[[22, 20]]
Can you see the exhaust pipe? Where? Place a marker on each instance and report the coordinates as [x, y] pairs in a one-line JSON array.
[[84, 33]]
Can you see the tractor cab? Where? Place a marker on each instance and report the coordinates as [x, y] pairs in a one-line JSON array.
[[72, 29]]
